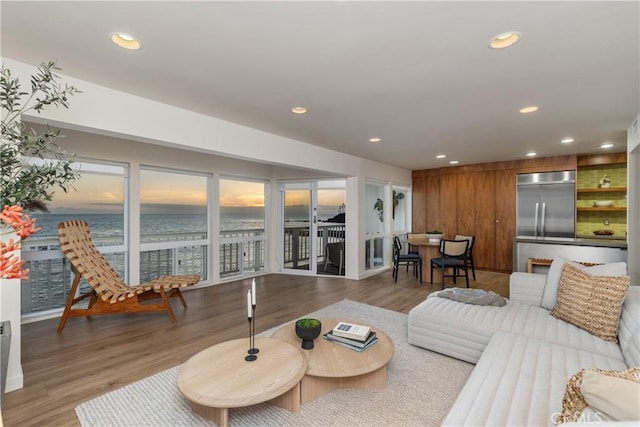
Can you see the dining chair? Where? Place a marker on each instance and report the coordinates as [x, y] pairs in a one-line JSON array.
[[412, 249], [472, 240], [407, 259], [334, 254], [454, 256]]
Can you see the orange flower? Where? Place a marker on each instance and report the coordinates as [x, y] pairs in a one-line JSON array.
[[28, 228], [24, 226], [12, 215], [11, 267]]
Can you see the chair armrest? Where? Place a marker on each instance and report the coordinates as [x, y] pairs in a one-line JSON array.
[[527, 288]]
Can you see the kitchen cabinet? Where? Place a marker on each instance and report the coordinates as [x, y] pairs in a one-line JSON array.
[[495, 219], [597, 251], [419, 204], [457, 207], [505, 218], [426, 204], [484, 255], [433, 205]]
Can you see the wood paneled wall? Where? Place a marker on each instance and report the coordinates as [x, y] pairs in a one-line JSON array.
[[478, 200], [602, 159]]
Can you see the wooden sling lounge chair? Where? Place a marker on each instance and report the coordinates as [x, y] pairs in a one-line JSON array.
[[109, 294]]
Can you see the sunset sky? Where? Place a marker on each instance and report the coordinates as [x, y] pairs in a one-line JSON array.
[[105, 193]]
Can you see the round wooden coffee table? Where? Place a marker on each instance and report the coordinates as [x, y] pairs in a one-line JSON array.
[[218, 378], [331, 366]]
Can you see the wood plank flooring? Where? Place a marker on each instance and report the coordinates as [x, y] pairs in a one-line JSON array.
[[93, 356]]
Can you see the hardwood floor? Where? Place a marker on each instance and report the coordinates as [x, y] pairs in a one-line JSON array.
[[94, 356]]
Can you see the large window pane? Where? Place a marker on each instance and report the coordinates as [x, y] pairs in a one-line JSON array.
[[374, 200], [375, 215], [242, 227], [98, 198], [173, 206], [173, 224], [400, 213]]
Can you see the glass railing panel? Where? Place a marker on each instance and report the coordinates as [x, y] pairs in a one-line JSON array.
[[50, 278], [241, 252]]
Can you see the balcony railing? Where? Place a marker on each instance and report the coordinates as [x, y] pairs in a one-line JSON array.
[[241, 252], [297, 249]]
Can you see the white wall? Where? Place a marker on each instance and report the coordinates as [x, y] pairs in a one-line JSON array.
[[633, 200], [9, 310]]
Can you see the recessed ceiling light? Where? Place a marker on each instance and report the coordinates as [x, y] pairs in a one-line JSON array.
[[453, 162], [529, 109], [567, 140], [298, 110], [606, 145], [441, 156], [504, 40], [532, 154], [126, 41], [375, 139]]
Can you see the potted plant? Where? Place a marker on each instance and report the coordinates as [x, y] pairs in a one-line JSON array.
[[434, 234], [379, 205], [32, 165], [308, 330]]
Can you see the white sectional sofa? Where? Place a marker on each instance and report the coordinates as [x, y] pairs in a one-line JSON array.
[[523, 355]]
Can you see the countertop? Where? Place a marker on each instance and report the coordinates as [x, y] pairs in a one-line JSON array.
[[575, 241]]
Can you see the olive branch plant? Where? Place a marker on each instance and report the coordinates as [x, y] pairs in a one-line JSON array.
[[25, 183]]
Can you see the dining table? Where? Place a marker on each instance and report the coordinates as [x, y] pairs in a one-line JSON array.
[[428, 249]]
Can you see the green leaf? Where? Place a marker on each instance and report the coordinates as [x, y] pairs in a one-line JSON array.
[[23, 183]]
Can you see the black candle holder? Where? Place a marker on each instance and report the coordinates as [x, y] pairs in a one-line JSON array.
[[252, 347], [250, 357]]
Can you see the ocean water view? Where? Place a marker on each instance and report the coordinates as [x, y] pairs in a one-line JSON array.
[[107, 229]]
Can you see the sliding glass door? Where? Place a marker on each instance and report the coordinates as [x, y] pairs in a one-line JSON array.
[[312, 237], [298, 225]]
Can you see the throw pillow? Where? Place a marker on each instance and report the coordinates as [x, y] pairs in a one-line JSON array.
[[573, 402], [592, 303], [550, 293], [617, 398]]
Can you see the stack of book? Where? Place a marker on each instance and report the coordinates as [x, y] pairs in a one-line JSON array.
[[352, 336]]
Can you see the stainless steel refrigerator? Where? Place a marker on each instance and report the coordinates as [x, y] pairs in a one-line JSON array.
[[546, 204]]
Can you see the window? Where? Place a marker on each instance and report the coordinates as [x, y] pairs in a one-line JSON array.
[[174, 237], [98, 198], [242, 227], [374, 205], [401, 209]]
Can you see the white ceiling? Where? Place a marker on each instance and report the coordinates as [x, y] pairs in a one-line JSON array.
[[419, 75]]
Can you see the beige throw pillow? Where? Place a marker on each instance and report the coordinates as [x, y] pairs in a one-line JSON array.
[[574, 405], [592, 303], [617, 398], [550, 292]]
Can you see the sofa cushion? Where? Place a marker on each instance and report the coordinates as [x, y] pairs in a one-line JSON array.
[[463, 330], [552, 284], [521, 381], [592, 303]]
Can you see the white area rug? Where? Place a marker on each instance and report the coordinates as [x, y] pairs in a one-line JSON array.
[[421, 387]]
